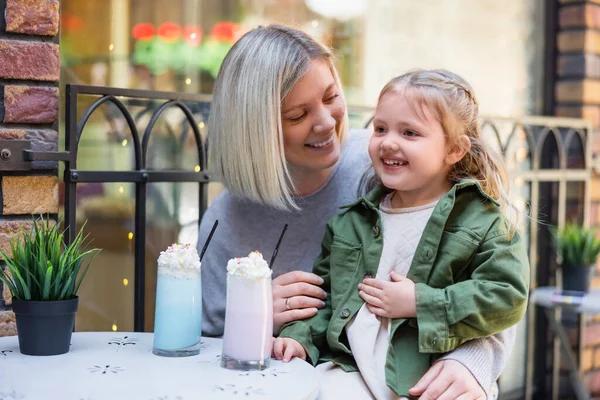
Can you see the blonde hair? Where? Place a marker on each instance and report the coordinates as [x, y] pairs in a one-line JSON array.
[[452, 101], [246, 147]]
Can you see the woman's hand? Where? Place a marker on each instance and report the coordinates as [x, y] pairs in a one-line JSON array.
[[296, 295], [448, 380], [286, 348]]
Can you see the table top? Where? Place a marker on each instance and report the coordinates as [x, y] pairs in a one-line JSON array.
[[109, 365], [546, 297]]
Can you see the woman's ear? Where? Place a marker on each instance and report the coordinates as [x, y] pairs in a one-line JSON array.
[[458, 150]]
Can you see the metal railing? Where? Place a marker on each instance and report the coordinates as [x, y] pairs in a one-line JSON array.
[[140, 175]]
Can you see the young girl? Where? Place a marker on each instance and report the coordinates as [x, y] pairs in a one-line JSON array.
[[428, 259]]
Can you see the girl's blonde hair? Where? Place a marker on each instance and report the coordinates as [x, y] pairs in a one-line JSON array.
[[452, 101], [246, 147]]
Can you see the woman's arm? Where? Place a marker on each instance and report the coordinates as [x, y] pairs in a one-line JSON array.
[[311, 333], [472, 368]]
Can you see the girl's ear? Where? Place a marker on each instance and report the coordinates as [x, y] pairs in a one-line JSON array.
[[458, 150]]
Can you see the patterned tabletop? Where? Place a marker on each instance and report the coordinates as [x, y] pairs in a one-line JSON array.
[[108, 365]]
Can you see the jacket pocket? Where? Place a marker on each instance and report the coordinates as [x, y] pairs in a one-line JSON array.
[[344, 258], [455, 253]]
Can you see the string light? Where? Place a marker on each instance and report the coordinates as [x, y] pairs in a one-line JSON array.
[[125, 282], [197, 168], [124, 143]]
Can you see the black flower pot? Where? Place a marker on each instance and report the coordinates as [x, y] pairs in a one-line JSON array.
[[45, 327], [576, 277]]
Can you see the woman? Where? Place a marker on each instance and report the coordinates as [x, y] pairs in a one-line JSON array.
[[279, 142]]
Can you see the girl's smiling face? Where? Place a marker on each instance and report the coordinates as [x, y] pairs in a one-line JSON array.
[[409, 152]]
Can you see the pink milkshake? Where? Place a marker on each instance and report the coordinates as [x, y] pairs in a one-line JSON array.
[[248, 334]]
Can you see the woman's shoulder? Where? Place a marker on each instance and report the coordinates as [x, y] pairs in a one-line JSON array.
[[221, 207], [355, 149], [358, 139]]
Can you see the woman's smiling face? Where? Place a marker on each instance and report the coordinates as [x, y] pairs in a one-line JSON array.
[[311, 115]]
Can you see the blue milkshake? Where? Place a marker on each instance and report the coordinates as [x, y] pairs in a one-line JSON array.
[[178, 316]]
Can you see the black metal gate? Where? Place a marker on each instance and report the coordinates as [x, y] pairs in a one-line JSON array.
[[155, 103]]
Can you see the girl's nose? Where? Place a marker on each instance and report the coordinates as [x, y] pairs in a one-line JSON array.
[[390, 145], [325, 123]]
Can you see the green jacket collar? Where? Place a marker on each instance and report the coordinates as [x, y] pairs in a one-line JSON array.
[[375, 196]]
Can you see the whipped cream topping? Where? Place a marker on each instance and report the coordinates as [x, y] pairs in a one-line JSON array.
[[252, 267], [179, 256]]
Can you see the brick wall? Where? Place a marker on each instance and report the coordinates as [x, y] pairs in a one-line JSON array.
[[29, 74], [578, 95]]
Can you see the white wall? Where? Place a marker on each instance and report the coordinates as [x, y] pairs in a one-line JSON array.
[[496, 45]]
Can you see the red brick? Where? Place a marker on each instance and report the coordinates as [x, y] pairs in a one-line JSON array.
[[8, 325], [587, 359], [595, 190], [6, 294], [597, 358], [10, 228], [577, 1], [583, 41], [589, 112], [29, 195], [579, 65], [32, 17], [591, 335], [592, 382], [30, 104], [586, 91], [41, 140], [29, 60], [579, 16]]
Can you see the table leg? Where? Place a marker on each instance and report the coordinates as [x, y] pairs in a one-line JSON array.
[[565, 344]]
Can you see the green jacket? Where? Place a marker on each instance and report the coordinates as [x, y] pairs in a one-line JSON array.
[[471, 281]]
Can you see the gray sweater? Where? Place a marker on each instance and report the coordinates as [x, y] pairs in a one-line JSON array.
[[245, 226]]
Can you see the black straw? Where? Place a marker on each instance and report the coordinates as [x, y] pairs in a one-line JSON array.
[[277, 247], [210, 235]]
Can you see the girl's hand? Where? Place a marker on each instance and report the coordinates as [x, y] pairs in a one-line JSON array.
[[395, 299], [296, 295], [286, 348]]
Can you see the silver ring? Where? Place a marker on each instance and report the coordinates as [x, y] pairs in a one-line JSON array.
[[287, 303]]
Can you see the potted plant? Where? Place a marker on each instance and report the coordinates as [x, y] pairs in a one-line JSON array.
[[577, 248], [43, 275]]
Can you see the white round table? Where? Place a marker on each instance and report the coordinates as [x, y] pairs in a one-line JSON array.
[[108, 365]]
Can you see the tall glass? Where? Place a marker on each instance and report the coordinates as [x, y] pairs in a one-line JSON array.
[[247, 341], [178, 316]]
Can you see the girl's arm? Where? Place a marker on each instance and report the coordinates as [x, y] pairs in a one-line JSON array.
[[492, 300]]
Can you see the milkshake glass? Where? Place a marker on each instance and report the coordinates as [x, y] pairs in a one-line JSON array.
[[247, 341], [178, 316]]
